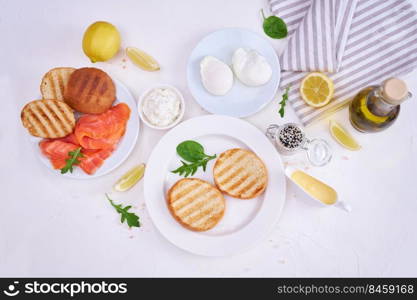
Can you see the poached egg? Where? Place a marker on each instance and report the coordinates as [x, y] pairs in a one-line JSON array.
[[216, 76], [250, 67]]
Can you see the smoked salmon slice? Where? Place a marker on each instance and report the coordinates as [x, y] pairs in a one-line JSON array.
[[97, 135], [102, 131], [71, 138], [92, 160], [57, 151]]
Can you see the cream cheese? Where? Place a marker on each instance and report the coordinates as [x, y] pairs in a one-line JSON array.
[[162, 106]]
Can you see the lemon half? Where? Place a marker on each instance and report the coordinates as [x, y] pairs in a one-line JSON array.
[[101, 41], [129, 179], [343, 137], [316, 89]]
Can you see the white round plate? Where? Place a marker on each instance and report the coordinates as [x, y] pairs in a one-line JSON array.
[[241, 100], [245, 222], [124, 148]]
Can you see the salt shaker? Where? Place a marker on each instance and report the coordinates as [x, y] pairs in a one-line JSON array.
[[290, 138]]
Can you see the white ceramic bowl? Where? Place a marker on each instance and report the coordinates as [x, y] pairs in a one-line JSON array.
[[144, 118]]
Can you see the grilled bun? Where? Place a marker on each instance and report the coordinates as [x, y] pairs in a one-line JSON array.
[[240, 174], [54, 82], [48, 118], [196, 204], [90, 90]]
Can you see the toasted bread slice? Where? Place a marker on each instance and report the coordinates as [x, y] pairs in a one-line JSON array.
[[54, 82], [196, 204], [240, 174], [90, 91], [48, 118]]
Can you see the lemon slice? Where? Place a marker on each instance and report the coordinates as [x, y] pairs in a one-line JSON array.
[[142, 59], [316, 89], [129, 179], [343, 137]]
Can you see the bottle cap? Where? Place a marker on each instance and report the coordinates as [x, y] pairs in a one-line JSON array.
[[394, 91]]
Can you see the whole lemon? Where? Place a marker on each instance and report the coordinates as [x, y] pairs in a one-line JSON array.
[[101, 41]]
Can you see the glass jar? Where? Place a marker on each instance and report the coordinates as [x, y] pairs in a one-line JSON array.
[[290, 138]]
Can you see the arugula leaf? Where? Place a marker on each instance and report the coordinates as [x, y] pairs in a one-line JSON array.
[[191, 168], [274, 27], [284, 101], [131, 218], [73, 160], [191, 151]]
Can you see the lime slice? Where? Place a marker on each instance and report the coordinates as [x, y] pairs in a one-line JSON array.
[[142, 59], [343, 137], [129, 179]]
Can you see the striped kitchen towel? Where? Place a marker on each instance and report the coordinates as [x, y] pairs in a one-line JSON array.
[[357, 43]]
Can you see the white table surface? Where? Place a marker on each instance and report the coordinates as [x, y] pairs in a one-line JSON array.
[[52, 226]]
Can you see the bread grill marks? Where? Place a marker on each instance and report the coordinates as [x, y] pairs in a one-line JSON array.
[[90, 90], [54, 82], [48, 118], [195, 204], [240, 173]]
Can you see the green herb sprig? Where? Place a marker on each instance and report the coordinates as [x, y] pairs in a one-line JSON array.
[[72, 160], [131, 218], [284, 102], [274, 27], [193, 153], [191, 168]]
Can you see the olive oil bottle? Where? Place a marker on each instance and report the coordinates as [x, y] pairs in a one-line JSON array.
[[375, 108]]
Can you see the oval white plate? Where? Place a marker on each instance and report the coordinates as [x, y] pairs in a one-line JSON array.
[[245, 221], [125, 147], [241, 100]]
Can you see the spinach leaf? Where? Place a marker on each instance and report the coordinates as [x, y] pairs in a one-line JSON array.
[[274, 27], [191, 151]]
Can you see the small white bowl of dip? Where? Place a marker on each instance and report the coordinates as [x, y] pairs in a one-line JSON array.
[[161, 107]]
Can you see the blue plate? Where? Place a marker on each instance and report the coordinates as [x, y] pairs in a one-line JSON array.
[[241, 100]]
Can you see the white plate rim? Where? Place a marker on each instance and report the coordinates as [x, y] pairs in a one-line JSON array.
[[250, 234], [123, 150], [276, 62]]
